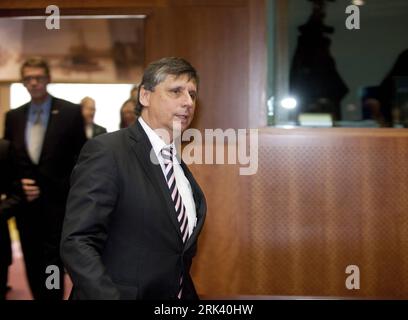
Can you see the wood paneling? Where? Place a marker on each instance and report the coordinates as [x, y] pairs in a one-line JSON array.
[[281, 60], [320, 201], [257, 116]]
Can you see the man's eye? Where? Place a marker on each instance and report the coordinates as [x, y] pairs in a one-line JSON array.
[[176, 91], [193, 95]]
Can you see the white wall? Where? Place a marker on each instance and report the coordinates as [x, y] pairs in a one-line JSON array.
[[108, 98]]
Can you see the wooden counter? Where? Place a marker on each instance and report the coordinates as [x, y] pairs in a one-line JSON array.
[[322, 199]]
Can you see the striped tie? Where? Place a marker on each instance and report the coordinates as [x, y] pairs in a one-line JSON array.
[[167, 154]]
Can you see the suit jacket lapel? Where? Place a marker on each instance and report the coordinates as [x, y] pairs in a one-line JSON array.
[[52, 127], [21, 129], [142, 147]]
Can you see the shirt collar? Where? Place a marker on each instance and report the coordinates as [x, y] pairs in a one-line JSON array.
[[157, 143], [45, 106]]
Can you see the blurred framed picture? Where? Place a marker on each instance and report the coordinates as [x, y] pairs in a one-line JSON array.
[[91, 49]]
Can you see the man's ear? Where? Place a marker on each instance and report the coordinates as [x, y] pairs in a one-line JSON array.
[[144, 97]]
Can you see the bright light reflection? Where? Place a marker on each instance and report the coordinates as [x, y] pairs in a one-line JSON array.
[[289, 103]]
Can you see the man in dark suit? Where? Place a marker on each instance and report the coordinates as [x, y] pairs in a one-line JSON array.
[[46, 135], [134, 212], [88, 111]]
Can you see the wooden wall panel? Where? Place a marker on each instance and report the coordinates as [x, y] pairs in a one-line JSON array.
[[215, 40], [222, 267], [320, 201]]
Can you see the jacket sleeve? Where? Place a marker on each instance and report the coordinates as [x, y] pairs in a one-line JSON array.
[[7, 128], [79, 136], [76, 141], [9, 206], [91, 202], [8, 187]]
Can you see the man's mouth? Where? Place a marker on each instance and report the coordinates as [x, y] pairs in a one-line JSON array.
[[182, 117]]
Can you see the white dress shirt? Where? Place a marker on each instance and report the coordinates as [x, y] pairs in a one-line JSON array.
[[89, 130], [183, 185]]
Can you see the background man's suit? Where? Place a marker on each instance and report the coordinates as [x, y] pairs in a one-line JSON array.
[[121, 238], [97, 130], [40, 221], [5, 244]]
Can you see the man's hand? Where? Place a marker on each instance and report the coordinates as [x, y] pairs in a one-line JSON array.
[[31, 191]]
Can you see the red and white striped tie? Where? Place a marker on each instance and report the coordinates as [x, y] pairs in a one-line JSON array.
[[167, 154]]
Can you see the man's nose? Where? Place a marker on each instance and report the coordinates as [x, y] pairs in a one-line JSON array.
[[188, 101], [33, 81]]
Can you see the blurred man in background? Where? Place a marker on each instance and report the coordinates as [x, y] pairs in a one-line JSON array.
[[46, 135], [88, 111]]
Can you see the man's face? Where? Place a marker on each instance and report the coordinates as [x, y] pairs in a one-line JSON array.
[[128, 113], [35, 80], [172, 102], [88, 111]]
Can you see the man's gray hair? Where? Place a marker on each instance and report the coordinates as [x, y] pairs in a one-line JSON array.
[[157, 71]]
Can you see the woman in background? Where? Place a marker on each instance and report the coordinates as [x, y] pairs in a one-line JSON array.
[[127, 113]]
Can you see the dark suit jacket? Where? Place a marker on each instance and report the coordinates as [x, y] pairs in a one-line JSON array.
[[8, 206], [5, 245], [121, 238], [11, 203], [63, 140], [97, 130]]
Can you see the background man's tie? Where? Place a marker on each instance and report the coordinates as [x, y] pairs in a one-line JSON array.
[[36, 137], [167, 154]]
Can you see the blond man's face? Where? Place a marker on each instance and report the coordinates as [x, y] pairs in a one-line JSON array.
[[35, 79]]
